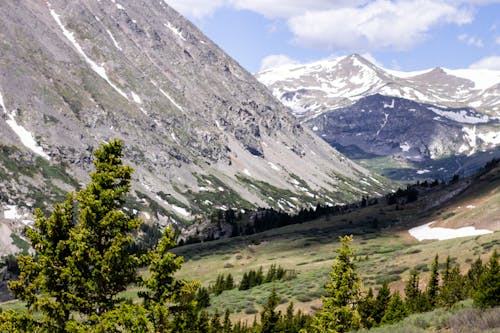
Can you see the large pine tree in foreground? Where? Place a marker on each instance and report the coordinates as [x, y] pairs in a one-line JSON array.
[[83, 261]]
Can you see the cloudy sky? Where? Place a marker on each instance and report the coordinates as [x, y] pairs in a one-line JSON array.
[[398, 34]]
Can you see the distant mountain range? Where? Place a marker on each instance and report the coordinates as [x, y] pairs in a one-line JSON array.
[[201, 132], [416, 121]]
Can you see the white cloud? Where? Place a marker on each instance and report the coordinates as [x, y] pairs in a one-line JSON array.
[[470, 40], [196, 8], [497, 40], [382, 24], [275, 60], [492, 62], [371, 58]]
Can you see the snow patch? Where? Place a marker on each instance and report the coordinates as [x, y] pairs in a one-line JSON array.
[[136, 98], [181, 211], [423, 172], [24, 135], [470, 207], [120, 7], [405, 147], [462, 116], [246, 172], [273, 166], [11, 213], [171, 99], [175, 30], [389, 106], [490, 137], [425, 231], [99, 70]]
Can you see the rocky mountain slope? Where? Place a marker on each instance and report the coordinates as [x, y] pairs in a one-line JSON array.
[[199, 130], [418, 121]]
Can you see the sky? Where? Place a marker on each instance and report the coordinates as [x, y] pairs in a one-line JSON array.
[[396, 34]]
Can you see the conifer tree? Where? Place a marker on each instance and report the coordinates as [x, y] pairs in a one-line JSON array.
[[488, 291], [395, 310], [215, 324], [433, 285], [473, 276], [453, 289], [227, 327], [82, 256], [203, 325], [339, 313], [414, 297], [380, 305], [366, 309], [269, 317]]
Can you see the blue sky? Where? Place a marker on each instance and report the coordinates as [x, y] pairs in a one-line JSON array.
[[397, 34]]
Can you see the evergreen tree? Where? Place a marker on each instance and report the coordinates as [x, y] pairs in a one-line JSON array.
[[203, 325], [366, 309], [453, 289], [339, 313], [414, 297], [395, 310], [488, 292], [473, 276], [432, 291], [269, 317], [202, 298], [229, 284], [380, 305], [227, 327], [82, 256], [289, 320], [215, 325]]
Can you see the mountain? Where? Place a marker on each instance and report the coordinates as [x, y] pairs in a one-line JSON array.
[[201, 132], [403, 125], [322, 86]]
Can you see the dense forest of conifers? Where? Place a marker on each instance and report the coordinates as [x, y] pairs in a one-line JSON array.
[[83, 263]]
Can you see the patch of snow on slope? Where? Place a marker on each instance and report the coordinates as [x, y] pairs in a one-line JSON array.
[[99, 70], [470, 136], [175, 30], [490, 137], [120, 7], [423, 172], [24, 135], [10, 213], [136, 98], [273, 166], [110, 35], [385, 123], [425, 231], [405, 147], [463, 116], [181, 211], [389, 106], [171, 99], [482, 78]]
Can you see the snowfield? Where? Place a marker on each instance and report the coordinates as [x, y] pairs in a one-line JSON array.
[[425, 232]]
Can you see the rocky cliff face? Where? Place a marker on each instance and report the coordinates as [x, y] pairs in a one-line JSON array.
[[200, 131]]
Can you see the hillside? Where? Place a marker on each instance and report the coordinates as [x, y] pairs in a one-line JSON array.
[[201, 132], [386, 249]]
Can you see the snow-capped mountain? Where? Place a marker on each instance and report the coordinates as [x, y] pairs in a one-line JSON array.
[[200, 131], [311, 89], [369, 112]]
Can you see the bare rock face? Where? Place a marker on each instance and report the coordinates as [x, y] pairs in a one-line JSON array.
[[200, 131]]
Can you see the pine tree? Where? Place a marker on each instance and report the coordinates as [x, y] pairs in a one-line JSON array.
[[414, 297], [473, 276], [432, 291], [488, 291], [229, 284], [203, 325], [227, 327], [366, 309], [453, 289], [395, 310], [380, 305], [215, 325], [339, 312], [82, 256], [269, 317]]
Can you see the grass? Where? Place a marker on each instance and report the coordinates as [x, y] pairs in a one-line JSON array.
[[461, 318]]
